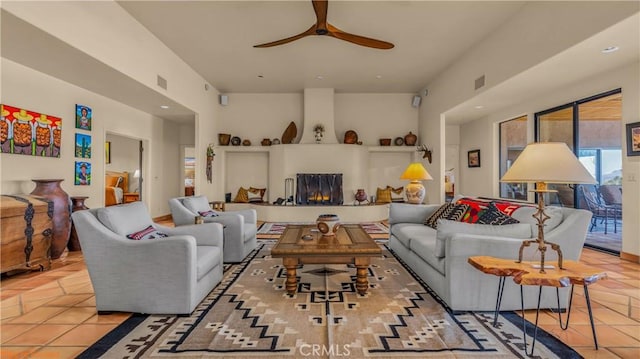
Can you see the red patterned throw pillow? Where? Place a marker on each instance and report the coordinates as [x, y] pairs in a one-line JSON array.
[[476, 206], [208, 213], [507, 207], [147, 233]]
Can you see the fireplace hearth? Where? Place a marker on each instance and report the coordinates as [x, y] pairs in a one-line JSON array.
[[319, 189]]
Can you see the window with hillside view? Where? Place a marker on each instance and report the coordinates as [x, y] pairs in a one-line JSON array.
[[513, 139]]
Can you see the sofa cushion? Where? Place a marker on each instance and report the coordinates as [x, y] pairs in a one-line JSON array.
[[449, 211], [448, 228], [147, 233], [250, 230], [525, 215], [425, 248], [209, 213], [125, 219], [383, 195], [492, 215], [508, 207], [208, 257], [242, 196], [197, 204], [405, 232]]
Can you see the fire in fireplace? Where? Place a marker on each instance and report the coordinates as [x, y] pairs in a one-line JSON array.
[[319, 189]]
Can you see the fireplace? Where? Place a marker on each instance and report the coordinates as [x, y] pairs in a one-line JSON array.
[[313, 189]]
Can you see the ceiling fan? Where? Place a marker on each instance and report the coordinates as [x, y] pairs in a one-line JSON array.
[[322, 27]]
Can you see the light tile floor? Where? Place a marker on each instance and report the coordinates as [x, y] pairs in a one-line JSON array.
[[51, 315]]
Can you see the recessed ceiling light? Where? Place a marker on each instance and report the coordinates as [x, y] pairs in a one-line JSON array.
[[378, 76], [479, 107], [164, 107], [610, 49], [261, 76], [319, 77]]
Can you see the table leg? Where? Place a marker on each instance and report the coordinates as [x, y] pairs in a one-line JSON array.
[[524, 322], [593, 328], [291, 283], [362, 283], [498, 300]]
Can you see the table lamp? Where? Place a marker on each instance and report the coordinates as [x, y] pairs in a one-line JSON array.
[[415, 190], [136, 175], [543, 163]]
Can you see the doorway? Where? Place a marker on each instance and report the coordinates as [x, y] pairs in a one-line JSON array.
[[123, 170], [592, 128]]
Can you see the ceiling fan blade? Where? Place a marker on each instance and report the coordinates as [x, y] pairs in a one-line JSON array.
[[357, 39], [310, 31], [320, 7]]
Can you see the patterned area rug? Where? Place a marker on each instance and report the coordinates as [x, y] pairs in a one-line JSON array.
[[249, 315], [269, 230]]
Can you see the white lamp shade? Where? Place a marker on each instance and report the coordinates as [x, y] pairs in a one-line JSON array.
[[136, 174], [548, 162]]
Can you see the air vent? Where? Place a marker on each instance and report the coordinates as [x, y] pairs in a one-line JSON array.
[[479, 82], [162, 82]]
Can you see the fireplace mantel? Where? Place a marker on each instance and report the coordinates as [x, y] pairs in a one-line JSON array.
[[362, 166]]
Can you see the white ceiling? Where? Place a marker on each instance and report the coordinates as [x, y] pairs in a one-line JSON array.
[[216, 39]]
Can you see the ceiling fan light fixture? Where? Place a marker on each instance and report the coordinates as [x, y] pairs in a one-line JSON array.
[[323, 28]]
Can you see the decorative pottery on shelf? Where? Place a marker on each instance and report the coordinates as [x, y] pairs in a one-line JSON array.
[[224, 139], [385, 142], [410, 139], [266, 142], [61, 217], [77, 204], [235, 141], [275, 141], [246, 143], [399, 141], [328, 224], [290, 133], [361, 196], [350, 137]]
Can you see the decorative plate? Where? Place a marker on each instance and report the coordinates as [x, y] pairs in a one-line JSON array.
[[399, 141], [235, 141]]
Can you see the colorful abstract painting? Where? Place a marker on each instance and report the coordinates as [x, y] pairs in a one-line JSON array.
[[83, 173], [83, 145], [30, 133], [83, 117]]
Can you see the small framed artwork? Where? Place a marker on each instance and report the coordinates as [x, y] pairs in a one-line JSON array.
[[633, 139], [107, 152], [83, 173], [473, 158], [83, 145], [83, 117]]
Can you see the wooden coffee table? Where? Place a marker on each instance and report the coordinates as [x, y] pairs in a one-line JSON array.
[[350, 245]]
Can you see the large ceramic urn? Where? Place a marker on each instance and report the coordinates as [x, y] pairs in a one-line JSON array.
[[61, 217]]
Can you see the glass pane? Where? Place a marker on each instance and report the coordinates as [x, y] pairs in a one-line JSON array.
[[557, 126], [513, 139]]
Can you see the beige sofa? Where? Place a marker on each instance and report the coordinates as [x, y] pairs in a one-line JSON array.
[[440, 256]]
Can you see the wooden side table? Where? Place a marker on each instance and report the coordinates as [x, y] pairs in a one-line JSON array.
[[131, 197], [525, 273]]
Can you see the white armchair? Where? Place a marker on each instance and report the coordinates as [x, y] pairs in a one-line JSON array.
[[240, 227], [158, 276]]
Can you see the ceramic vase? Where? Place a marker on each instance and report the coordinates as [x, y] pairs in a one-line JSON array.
[[61, 220], [328, 224], [77, 204]]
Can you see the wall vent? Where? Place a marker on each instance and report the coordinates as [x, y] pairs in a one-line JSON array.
[[162, 82], [479, 82]]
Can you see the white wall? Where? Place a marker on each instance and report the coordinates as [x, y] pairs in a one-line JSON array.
[[141, 56], [536, 33], [375, 116], [483, 134], [25, 88]]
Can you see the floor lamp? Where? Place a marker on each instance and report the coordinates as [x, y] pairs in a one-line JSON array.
[[543, 163]]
